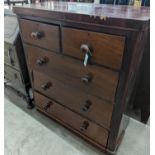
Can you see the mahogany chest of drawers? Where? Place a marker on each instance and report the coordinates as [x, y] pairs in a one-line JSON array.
[[15, 68], [83, 60]]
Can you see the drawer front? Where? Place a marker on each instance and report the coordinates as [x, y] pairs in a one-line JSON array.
[[43, 35], [97, 81], [87, 105], [12, 75], [10, 56], [105, 49], [71, 119]]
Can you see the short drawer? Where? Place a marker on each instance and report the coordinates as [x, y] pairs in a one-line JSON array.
[[94, 80], [105, 49], [10, 56], [72, 120], [12, 75], [43, 35], [87, 105]]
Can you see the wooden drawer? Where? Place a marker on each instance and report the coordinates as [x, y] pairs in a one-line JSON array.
[[10, 56], [43, 35], [103, 81], [72, 120], [12, 75], [106, 49], [87, 105]]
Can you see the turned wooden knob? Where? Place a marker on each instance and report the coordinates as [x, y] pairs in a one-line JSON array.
[[86, 106], [87, 78], [36, 35], [46, 86], [47, 105], [42, 61], [85, 48], [84, 126]]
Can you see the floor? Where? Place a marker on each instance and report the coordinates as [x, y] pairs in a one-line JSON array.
[[28, 132]]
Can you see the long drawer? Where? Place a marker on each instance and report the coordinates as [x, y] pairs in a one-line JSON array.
[[105, 49], [10, 56], [40, 34], [72, 120], [87, 105], [97, 81]]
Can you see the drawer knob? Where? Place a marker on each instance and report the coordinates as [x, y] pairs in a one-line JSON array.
[[10, 56], [42, 61], [87, 78], [36, 35], [46, 86], [15, 76], [84, 126], [48, 105], [86, 106], [87, 50]]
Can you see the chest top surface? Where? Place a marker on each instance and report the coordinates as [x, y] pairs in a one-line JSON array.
[[89, 13]]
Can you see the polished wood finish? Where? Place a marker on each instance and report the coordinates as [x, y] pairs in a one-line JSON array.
[[97, 109], [107, 49], [141, 95], [70, 118], [63, 77], [117, 16], [69, 71], [40, 34], [139, 43]]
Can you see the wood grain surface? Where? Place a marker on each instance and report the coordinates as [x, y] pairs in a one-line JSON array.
[[73, 120], [98, 110], [106, 49], [70, 72], [49, 34]]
